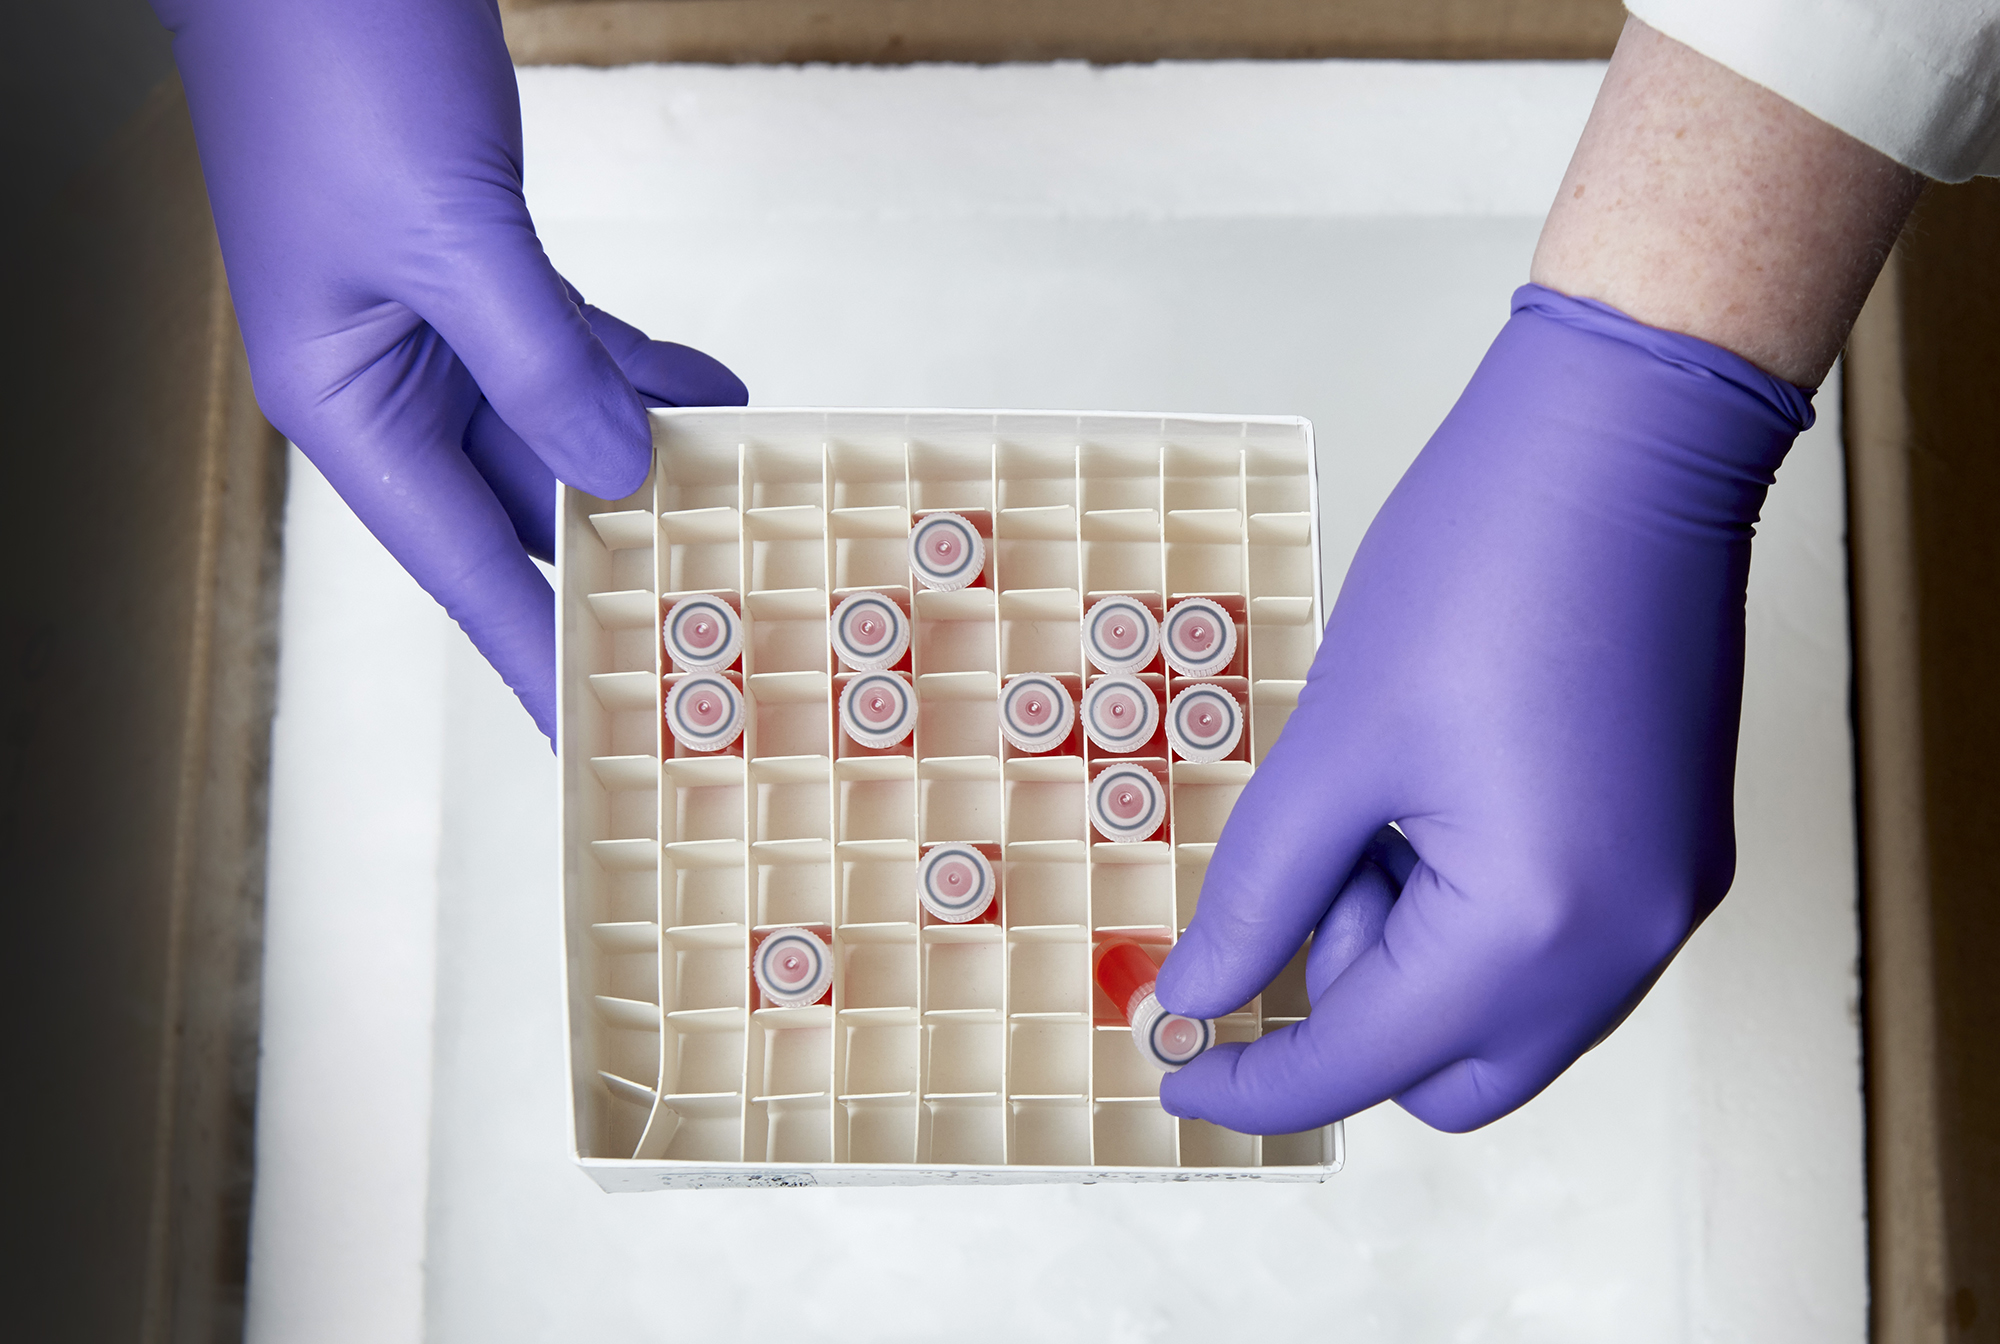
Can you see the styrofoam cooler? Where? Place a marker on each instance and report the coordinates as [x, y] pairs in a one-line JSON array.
[[975, 1052]]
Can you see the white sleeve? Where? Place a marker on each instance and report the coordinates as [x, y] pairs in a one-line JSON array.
[[1918, 80]]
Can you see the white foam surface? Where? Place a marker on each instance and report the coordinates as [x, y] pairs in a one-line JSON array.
[[1699, 1176]]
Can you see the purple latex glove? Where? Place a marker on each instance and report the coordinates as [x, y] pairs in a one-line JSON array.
[[1535, 668], [405, 328]]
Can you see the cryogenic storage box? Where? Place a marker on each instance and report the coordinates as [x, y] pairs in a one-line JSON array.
[[943, 1052]]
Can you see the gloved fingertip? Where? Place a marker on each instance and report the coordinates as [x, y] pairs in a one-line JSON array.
[[1187, 1092]]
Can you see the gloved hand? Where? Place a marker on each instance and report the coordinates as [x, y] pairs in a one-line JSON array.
[[404, 327], [1535, 668]]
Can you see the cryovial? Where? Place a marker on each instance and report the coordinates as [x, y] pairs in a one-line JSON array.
[[1200, 637], [956, 883], [1204, 723], [877, 710], [702, 633], [704, 711], [1120, 634], [1120, 713], [946, 552], [1127, 803], [1165, 1040], [1036, 712], [793, 967], [870, 631]]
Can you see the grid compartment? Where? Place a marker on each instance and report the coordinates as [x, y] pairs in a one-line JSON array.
[[981, 1045]]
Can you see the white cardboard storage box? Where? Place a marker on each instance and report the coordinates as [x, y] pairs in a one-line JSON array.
[[949, 1053]]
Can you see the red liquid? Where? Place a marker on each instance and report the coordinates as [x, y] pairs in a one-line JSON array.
[[1126, 975]]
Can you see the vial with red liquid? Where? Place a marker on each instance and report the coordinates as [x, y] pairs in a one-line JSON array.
[[957, 884], [946, 552], [1120, 634], [1036, 712], [793, 967], [1204, 723], [1127, 803], [1200, 637], [701, 633], [1165, 1040], [870, 631], [1121, 714], [878, 710], [704, 712]]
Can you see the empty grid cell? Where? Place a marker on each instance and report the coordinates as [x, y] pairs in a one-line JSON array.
[[1282, 652], [954, 645], [799, 1131], [878, 892], [613, 897], [708, 1132], [881, 1059], [1132, 895], [1041, 646], [794, 893], [790, 562], [969, 1133], [1121, 567], [1048, 977], [963, 1057], [952, 472], [1308, 1148], [1048, 1058], [873, 561], [628, 1053], [1040, 893], [783, 476], [1203, 567], [1206, 1145], [1282, 571], [967, 810], [709, 812], [789, 811], [702, 567], [1200, 810], [1034, 562], [791, 727], [632, 813], [1045, 811], [877, 975], [956, 727], [1119, 1069], [705, 896], [707, 977], [633, 732], [628, 975], [1050, 1134], [789, 646], [962, 975], [868, 472], [1134, 1134], [1278, 491], [699, 474], [881, 1131], [796, 1060], [878, 809], [704, 1061]]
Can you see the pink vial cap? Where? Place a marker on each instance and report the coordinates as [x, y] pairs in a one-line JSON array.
[[704, 711], [1036, 712], [1119, 634], [869, 631], [1204, 723], [956, 883], [702, 634], [877, 709], [793, 967], [1200, 637], [1126, 804], [1120, 713], [946, 551]]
